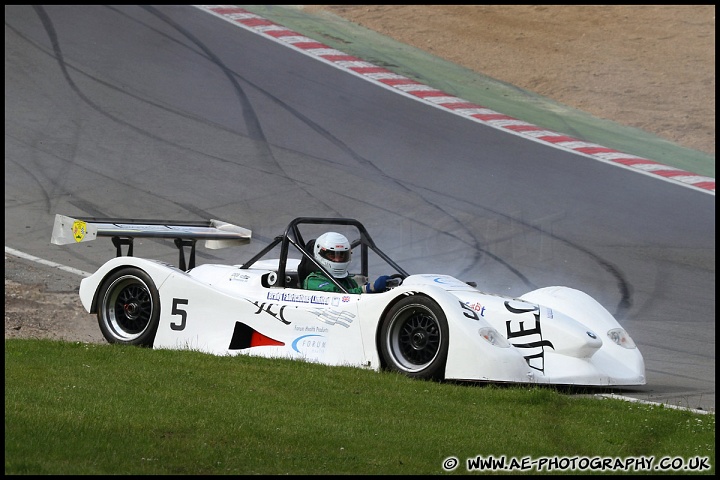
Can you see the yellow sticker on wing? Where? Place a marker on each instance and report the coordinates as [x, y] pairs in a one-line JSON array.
[[79, 230]]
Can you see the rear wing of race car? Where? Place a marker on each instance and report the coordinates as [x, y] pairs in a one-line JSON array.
[[216, 233]]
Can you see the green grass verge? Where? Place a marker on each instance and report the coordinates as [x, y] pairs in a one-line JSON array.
[[74, 408]]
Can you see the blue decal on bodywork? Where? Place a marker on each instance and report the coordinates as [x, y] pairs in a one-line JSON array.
[[294, 344]]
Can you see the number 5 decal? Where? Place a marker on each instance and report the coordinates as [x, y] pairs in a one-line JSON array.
[[179, 311]]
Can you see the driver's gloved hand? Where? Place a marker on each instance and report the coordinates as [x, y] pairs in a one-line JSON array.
[[379, 286]]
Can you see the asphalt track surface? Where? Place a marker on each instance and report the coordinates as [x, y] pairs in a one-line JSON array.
[[169, 112]]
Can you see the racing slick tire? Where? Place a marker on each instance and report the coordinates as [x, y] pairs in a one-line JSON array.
[[129, 308], [414, 338]]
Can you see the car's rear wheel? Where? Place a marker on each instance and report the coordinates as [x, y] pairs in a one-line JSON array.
[[129, 308], [414, 338]]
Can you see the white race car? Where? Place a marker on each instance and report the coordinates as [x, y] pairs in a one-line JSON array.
[[429, 326]]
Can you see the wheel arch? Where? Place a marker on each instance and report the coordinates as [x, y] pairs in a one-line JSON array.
[[90, 286], [96, 294], [469, 357]]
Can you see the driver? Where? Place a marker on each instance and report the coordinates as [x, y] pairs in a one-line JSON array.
[[332, 251]]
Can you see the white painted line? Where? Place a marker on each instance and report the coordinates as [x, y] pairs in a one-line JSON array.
[[41, 261], [647, 402]]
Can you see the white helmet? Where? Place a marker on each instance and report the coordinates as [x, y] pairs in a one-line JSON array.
[[332, 251]]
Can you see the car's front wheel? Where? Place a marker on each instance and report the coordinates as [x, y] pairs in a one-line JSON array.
[[414, 338], [129, 308]]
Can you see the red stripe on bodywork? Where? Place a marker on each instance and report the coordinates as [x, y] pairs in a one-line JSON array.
[[260, 340]]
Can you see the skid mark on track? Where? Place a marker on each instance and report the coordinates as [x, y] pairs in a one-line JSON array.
[[458, 106]]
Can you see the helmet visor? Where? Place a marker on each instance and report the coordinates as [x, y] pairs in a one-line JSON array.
[[336, 256]]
